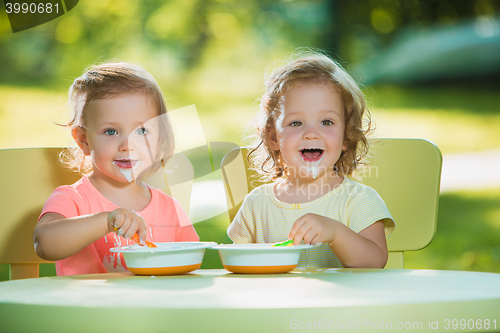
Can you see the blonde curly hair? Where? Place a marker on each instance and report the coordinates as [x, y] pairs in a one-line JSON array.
[[108, 80], [310, 68]]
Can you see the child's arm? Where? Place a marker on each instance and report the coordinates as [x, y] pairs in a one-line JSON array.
[[56, 237], [366, 249]]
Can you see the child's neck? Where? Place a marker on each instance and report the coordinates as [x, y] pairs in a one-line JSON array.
[[132, 196], [300, 190]]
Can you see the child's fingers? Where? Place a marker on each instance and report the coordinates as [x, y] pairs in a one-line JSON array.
[[132, 224], [121, 221], [137, 226], [142, 231], [116, 219], [124, 229], [303, 232], [296, 226], [316, 240], [310, 235], [313, 229], [126, 223]]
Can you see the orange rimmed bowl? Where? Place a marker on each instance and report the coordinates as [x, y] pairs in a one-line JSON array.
[[259, 258], [165, 259]]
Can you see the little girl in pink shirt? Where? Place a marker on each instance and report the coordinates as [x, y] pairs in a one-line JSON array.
[[120, 124]]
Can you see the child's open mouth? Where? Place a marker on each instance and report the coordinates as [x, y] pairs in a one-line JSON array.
[[311, 154], [126, 163]]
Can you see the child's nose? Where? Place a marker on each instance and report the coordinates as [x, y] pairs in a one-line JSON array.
[[125, 145], [311, 133]]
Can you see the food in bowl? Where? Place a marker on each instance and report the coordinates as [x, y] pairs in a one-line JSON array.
[[165, 259], [259, 258]]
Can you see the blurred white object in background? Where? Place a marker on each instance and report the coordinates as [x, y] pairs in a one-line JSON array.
[[469, 171]]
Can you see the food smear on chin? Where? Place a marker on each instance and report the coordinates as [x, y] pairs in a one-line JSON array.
[[313, 167], [128, 174], [127, 167]]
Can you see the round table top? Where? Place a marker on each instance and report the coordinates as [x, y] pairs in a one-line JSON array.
[[327, 298]]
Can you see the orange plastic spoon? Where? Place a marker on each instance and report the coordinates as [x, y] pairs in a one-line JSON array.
[[135, 238]]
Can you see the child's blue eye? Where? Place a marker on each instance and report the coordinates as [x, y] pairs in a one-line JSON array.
[[142, 131], [327, 122], [110, 131], [295, 123]]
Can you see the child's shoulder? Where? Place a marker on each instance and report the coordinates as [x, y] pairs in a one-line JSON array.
[[259, 195], [353, 184], [355, 189], [262, 191], [69, 193], [74, 188]]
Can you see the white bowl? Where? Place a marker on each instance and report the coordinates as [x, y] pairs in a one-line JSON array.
[[259, 258], [165, 259]]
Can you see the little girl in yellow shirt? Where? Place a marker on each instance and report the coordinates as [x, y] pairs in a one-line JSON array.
[[310, 138]]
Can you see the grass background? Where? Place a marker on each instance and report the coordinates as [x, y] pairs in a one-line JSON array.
[[457, 119]]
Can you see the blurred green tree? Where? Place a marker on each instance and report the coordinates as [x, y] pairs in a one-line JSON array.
[[180, 35]]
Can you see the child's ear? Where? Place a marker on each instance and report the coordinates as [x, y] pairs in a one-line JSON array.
[[273, 140], [78, 133], [344, 146]]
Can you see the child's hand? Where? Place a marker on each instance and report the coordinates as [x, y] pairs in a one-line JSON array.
[[126, 223], [313, 229]]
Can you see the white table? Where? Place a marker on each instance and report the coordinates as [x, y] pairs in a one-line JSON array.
[[358, 300]]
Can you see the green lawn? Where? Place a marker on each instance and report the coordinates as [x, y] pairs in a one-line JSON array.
[[456, 120], [467, 234]]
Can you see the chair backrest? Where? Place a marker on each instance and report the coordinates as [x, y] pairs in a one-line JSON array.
[[405, 172], [27, 178]]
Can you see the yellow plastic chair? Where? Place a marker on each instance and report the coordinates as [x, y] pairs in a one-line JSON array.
[[27, 178], [405, 172]]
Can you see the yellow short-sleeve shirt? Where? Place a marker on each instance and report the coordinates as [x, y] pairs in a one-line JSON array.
[[262, 218]]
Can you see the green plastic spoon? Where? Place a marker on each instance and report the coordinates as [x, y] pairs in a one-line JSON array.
[[288, 242]]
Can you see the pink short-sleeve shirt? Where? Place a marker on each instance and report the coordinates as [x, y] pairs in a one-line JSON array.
[[165, 219]]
